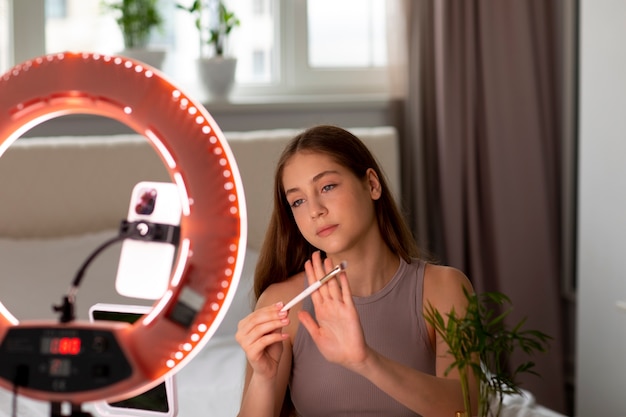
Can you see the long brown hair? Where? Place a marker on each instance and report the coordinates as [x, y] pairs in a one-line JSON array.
[[284, 249]]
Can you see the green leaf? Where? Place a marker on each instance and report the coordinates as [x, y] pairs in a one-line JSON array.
[[482, 333]]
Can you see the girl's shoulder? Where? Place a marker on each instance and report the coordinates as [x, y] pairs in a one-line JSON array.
[[443, 274], [443, 285]]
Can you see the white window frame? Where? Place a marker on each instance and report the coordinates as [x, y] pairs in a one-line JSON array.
[[367, 80], [296, 78]]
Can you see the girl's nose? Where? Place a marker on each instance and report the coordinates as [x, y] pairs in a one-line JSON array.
[[316, 208]]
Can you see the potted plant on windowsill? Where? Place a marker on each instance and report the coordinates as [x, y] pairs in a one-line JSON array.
[[136, 20], [216, 67], [481, 343]]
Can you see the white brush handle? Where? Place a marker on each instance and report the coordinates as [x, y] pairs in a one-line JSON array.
[[308, 291], [314, 287]]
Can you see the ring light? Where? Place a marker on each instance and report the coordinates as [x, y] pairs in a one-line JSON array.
[[80, 361]]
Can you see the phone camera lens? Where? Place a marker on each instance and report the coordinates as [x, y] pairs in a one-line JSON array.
[[147, 200]]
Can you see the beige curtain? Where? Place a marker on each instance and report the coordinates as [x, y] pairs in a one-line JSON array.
[[481, 134]]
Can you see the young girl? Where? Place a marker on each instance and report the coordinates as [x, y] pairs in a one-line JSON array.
[[360, 344]]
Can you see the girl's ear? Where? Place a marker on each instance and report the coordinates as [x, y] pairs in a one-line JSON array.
[[373, 183]]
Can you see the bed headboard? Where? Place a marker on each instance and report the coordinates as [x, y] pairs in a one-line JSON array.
[[66, 186]]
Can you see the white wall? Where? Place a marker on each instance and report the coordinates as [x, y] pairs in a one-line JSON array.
[[601, 337]]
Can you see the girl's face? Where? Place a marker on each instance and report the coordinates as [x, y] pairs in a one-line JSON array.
[[333, 209]]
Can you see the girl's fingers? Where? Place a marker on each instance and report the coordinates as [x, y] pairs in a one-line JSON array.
[[315, 269], [261, 315], [258, 347], [321, 269], [318, 266], [332, 286], [346, 294], [309, 272], [261, 322], [263, 329], [307, 321]]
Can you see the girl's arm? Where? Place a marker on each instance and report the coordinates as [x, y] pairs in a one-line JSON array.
[[339, 337], [268, 351]]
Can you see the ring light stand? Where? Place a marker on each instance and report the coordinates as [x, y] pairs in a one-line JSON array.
[[77, 362]]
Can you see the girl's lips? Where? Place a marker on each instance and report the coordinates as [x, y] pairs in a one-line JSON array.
[[326, 230]]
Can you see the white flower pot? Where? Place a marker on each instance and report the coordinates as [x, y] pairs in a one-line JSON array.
[[217, 75], [152, 57]]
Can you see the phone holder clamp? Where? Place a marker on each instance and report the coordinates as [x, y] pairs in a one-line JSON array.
[[153, 232]]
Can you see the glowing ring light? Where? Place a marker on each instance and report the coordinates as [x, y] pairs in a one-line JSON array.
[[198, 159]]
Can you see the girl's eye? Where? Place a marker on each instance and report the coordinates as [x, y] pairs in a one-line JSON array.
[[328, 187], [296, 203]]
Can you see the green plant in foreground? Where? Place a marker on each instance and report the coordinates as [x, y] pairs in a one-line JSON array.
[[218, 26], [135, 18], [482, 344]]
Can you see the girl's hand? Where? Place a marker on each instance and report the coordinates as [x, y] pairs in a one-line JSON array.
[[260, 336], [337, 331]]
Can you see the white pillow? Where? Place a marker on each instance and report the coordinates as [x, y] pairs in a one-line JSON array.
[[36, 273]]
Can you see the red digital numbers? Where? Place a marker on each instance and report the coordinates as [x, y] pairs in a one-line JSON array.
[[64, 346]]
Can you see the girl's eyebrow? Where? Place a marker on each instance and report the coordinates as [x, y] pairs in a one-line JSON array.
[[313, 180]]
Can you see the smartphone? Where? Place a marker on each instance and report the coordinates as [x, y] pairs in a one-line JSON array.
[[145, 267], [159, 401]]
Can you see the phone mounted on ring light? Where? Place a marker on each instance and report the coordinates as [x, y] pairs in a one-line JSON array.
[[136, 230], [151, 225]]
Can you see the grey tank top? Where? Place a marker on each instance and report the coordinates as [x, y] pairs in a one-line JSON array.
[[393, 324]]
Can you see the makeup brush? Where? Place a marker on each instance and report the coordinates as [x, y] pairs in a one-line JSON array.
[[315, 286]]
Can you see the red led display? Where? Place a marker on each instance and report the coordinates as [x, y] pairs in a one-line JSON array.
[[61, 345]]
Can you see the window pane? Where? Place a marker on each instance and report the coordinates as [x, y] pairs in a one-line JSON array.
[[5, 48], [56, 8], [343, 35], [84, 25], [253, 42], [346, 33]]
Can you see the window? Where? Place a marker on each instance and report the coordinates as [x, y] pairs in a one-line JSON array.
[[260, 67], [283, 46], [5, 48], [352, 36], [310, 59], [56, 9], [83, 27]]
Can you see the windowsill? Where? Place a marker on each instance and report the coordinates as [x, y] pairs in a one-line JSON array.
[[253, 113], [300, 102], [270, 112]]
